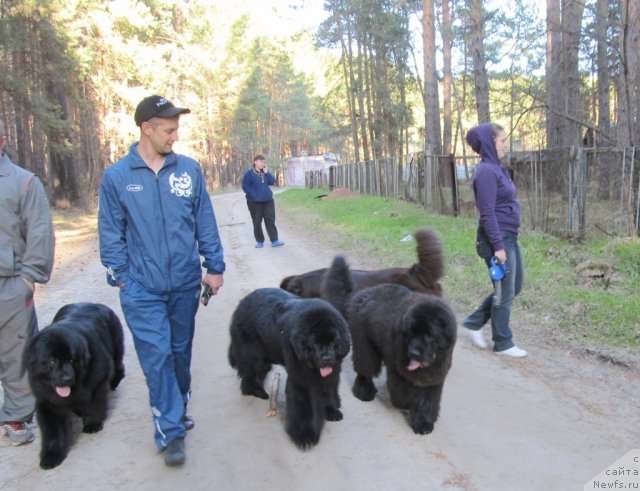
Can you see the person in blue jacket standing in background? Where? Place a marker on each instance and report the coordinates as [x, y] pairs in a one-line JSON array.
[[255, 184], [498, 227], [155, 221]]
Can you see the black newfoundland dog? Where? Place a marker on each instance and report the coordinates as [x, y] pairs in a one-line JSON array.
[[309, 338], [422, 276], [412, 333], [72, 365]]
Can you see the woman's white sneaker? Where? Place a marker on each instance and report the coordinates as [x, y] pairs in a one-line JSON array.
[[477, 339], [514, 352]]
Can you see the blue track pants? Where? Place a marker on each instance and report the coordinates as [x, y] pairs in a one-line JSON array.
[[162, 326]]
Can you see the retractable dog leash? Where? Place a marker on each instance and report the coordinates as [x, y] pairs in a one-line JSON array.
[[497, 272]]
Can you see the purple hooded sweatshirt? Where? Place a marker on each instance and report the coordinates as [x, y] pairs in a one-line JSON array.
[[494, 190]]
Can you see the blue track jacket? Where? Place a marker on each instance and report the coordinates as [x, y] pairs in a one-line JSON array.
[[256, 186], [154, 228]]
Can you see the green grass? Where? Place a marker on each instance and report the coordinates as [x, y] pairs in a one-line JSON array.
[[558, 301]]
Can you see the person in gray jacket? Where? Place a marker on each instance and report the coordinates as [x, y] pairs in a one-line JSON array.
[[26, 258]]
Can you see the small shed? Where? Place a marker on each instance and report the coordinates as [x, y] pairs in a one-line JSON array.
[[295, 167]]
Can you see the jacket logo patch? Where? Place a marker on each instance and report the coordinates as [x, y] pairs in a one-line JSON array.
[[134, 187], [181, 186]]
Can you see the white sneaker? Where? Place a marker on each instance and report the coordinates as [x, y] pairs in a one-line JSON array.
[[514, 352], [477, 339]]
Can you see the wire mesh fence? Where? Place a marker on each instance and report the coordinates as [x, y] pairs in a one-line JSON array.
[[568, 192]]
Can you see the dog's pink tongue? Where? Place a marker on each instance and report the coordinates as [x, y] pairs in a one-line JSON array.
[[414, 365], [63, 391], [324, 371]]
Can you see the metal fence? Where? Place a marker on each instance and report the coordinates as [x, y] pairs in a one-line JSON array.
[[568, 192]]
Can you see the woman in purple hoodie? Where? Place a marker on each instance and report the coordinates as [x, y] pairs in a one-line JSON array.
[[499, 211]]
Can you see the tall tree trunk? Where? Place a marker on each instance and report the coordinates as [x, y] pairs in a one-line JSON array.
[[378, 115], [634, 65], [87, 142], [21, 95], [347, 67], [352, 108], [62, 161], [602, 23], [553, 78], [403, 123], [370, 92], [447, 45], [361, 90], [604, 119], [432, 109], [572, 11], [624, 123], [629, 80], [479, 62]]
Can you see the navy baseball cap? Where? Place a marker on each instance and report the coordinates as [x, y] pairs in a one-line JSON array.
[[156, 106]]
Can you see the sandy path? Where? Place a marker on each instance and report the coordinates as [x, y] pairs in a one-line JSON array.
[[548, 422]]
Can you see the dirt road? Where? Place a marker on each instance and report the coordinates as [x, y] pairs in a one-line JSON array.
[[547, 422]]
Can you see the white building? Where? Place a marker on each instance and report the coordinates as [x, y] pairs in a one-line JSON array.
[[295, 167]]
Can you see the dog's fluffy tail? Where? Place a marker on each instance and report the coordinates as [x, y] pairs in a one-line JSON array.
[[430, 265], [337, 284]]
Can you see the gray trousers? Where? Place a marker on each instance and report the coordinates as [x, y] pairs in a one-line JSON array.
[[18, 324]]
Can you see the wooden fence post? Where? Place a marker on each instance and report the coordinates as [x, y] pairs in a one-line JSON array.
[[632, 220], [581, 192], [454, 185], [428, 177], [536, 190], [570, 197]]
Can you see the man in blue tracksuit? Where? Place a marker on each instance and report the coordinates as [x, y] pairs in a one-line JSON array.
[[154, 223]]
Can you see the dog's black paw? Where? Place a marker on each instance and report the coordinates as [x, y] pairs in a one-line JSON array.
[[260, 393], [92, 427], [304, 438], [364, 389], [117, 378], [50, 460], [250, 388], [333, 414], [422, 426]]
